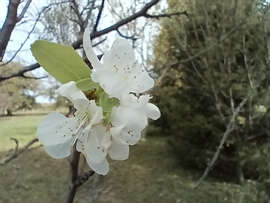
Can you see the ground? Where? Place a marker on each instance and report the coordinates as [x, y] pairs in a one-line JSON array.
[[150, 175]]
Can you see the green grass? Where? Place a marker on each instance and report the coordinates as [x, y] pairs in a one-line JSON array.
[[149, 175]]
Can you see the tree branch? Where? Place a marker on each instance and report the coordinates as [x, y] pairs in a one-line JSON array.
[[230, 128], [20, 151], [126, 37], [24, 10], [168, 15], [8, 26], [99, 16], [76, 179], [77, 44]]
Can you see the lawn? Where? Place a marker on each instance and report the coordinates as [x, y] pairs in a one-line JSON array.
[[150, 175]]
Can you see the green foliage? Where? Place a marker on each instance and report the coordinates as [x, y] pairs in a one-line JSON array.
[[86, 84], [199, 95], [61, 61], [107, 103]]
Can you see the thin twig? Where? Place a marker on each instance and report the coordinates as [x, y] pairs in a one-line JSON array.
[[24, 10], [126, 37], [99, 15], [30, 32], [17, 151], [166, 15], [215, 44], [230, 128]]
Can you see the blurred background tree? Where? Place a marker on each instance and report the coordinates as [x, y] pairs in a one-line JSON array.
[[17, 93], [214, 60]]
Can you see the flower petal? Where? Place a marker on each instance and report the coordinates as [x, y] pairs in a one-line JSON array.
[[75, 95], [112, 83], [140, 81], [124, 136], [96, 112], [87, 46], [93, 145], [119, 151], [132, 101], [151, 111], [59, 151], [121, 57], [130, 137], [101, 168], [132, 118], [116, 133], [55, 129]]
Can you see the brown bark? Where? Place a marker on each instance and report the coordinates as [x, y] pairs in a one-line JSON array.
[[8, 26]]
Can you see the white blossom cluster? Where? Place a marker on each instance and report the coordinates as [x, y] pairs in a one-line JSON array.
[[119, 79]]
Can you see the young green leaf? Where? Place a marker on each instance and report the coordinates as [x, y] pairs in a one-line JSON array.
[[86, 84], [107, 103], [61, 61]]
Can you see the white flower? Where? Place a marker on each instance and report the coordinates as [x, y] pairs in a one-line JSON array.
[[130, 118], [58, 133], [117, 75], [97, 145]]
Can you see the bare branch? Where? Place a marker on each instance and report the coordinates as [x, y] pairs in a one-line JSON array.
[[216, 43], [230, 128], [76, 179], [35, 78], [20, 151], [75, 7], [168, 15], [77, 44], [8, 26], [100, 42], [28, 35], [127, 37], [99, 16], [89, 13], [24, 10]]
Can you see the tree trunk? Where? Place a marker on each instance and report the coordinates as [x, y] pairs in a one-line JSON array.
[[239, 167], [9, 112]]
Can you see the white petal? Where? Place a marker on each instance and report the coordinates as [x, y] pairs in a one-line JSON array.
[[151, 111], [112, 83], [93, 145], [75, 95], [132, 118], [121, 57], [119, 151], [116, 133], [59, 151], [125, 136], [70, 91], [131, 137], [101, 168], [87, 46], [140, 81], [55, 129], [96, 112], [132, 101]]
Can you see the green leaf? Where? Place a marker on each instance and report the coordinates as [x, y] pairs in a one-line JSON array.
[[86, 84], [61, 61], [106, 120], [107, 103]]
